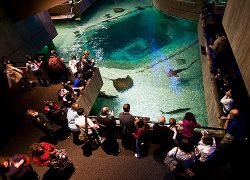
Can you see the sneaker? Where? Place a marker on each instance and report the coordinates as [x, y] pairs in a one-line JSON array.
[[137, 155]]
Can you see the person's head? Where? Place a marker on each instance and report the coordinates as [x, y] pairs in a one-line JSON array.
[[9, 66], [161, 119], [139, 122], [36, 149], [86, 53], [126, 107], [105, 111], [172, 121], [73, 57], [79, 76], [186, 145], [233, 113], [75, 106], [31, 113], [28, 57], [4, 161], [189, 116], [80, 111], [207, 139]]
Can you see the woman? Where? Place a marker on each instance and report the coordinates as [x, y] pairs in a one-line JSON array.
[[188, 125], [185, 157], [43, 153], [46, 154], [206, 148], [15, 75], [73, 65], [227, 102], [17, 167]]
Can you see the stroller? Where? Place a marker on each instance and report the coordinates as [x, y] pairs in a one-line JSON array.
[[61, 163]]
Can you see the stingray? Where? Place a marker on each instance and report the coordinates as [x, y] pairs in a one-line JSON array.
[[175, 111], [175, 72], [76, 32], [122, 84], [118, 10], [104, 95]]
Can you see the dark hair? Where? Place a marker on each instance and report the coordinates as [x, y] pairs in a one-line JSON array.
[[140, 123], [27, 57], [73, 57], [105, 111], [190, 116], [207, 139], [126, 107], [186, 146], [80, 111]]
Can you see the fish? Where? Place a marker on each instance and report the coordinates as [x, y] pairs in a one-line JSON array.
[[172, 72], [175, 111], [122, 84]]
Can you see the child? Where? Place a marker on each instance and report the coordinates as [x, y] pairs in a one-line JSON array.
[[172, 126]]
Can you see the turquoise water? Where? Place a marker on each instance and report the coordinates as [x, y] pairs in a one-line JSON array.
[[144, 44]]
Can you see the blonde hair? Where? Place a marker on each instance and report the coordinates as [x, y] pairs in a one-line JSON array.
[[172, 121], [162, 119]]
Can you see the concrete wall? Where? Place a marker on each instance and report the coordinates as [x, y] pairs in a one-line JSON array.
[[213, 105], [26, 36], [78, 7], [181, 8], [91, 91], [21, 9], [236, 22]]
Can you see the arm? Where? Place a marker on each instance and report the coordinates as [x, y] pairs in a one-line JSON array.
[[171, 153], [18, 70], [175, 132], [18, 164]]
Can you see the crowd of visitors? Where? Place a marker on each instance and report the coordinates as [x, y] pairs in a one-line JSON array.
[[177, 139]]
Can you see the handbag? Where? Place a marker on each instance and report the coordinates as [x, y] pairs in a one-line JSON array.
[[83, 136], [171, 162]]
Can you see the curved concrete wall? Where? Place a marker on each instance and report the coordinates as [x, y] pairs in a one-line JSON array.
[[181, 8]]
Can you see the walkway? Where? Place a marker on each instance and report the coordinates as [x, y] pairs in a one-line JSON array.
[[17, 134]]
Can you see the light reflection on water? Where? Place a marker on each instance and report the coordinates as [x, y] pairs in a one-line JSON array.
[[126, 45]]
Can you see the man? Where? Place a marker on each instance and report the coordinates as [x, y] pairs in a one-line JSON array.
[[107, 130], [235, 126], [71, 116], [127, 122], [41, 121], [87, 125], [163, 135]]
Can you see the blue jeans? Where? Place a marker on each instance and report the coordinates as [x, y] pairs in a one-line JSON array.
[[138, 146]]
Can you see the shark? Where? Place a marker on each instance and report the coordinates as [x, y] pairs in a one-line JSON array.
[[175, 111], [172, 72]]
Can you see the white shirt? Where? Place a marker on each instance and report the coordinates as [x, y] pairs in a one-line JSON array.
[[80, 121], [185, 159], [206, 151], [71, 115], [72, 65], [227, 103]]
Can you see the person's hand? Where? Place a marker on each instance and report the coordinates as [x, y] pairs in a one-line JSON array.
[[111, 113]]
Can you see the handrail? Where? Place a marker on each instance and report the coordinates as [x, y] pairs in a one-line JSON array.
[[152, 122]]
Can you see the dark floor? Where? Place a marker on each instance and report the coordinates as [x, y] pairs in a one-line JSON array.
[[17, 134]]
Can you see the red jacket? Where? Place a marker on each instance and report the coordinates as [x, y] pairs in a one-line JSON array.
[[44, 159]]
